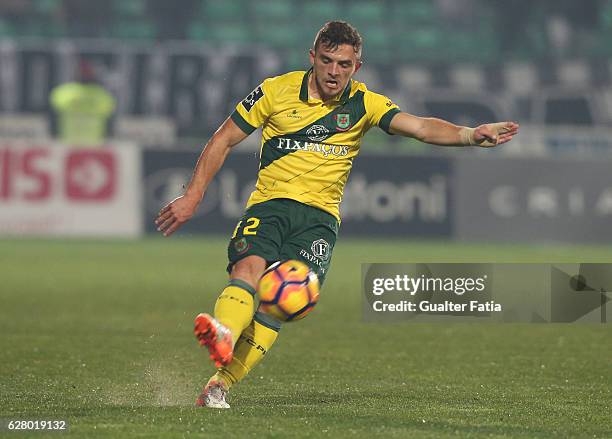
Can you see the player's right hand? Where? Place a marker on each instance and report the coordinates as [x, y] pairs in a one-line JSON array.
[[174, 214]]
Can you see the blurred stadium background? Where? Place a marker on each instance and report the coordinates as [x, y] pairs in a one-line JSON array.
[[174, 71]]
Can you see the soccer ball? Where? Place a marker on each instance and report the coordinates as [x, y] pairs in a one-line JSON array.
[[288, 290]]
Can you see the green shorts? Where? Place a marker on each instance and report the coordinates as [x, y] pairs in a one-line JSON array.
[[282, 229]]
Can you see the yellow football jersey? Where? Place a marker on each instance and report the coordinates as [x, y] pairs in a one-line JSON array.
[[308, 145]]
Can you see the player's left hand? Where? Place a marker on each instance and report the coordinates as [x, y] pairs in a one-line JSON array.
[[493, 134]]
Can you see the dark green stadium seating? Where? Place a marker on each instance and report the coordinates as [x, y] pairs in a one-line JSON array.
[[272, 12], [130, 8], [7, 30], [410, 30], [366, 13], [377, 44], [48, 8], [606, 16], [280, 35], [228, 32], [413, 12], [133, 29], [222, 11], [317, 13], [419, 43]]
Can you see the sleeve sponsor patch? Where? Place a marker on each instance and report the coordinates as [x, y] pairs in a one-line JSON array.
[[252, 98]]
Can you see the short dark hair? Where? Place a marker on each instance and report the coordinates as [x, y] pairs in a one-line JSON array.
[[335, 33]]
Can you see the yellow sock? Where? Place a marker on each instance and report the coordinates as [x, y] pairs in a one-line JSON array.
[[253, 344], [234, 307]]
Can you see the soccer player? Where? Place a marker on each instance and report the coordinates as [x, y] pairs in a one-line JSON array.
[[313, 123]]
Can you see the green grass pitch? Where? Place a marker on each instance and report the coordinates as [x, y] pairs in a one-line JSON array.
[[100, 333]]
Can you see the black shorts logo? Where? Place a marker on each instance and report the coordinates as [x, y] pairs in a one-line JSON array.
[[253, 97]]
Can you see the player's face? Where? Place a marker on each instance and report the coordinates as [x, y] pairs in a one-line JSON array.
[[333, 68]]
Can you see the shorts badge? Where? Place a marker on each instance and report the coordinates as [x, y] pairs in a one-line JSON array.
[[241, 245]]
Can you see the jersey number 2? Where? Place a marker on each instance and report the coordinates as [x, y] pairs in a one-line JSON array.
[[249, 229]]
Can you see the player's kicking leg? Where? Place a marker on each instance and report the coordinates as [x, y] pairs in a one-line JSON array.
[[219, 334]]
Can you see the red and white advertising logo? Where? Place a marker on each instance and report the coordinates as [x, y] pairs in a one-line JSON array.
[[59, 191], [39, 174], [90, 175]]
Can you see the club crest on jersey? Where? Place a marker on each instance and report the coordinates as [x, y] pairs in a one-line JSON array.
[[343, 121], [317, 133]]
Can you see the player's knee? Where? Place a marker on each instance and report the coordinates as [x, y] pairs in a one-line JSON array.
[[249, 269]]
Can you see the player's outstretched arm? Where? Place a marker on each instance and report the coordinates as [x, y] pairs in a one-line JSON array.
[[441, 132], [182, 208]]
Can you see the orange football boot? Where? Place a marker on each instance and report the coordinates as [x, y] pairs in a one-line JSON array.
[[216, 337]]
